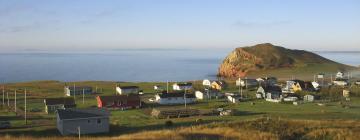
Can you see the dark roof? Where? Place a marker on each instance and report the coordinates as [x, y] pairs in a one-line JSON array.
[[178, 94], [119, 98], [73, 114], [79, 87], [184, 84], [128, 87], [270, 88], [57, 101]]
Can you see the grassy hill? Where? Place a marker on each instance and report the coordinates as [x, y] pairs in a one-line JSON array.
[[267, 58]]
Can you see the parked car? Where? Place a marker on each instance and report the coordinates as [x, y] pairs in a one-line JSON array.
[[4, 124]]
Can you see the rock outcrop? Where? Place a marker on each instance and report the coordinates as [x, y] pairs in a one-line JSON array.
[[266, 56]]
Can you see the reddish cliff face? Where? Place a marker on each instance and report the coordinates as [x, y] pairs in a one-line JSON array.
[[265, 56], [238, 63]]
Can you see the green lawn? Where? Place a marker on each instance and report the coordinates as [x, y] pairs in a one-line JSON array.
[[135, 120]]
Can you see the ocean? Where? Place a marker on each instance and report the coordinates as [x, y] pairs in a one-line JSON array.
[[133, 65]]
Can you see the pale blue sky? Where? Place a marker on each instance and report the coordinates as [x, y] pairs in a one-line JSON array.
[[113, 24]]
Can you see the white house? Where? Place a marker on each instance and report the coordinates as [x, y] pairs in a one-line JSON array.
[[341, 82], [309, 98], [174, 98], [127, 90], [83, 121], [182, 86], [357, 82], [262, 91], [206, 82], [208, 94], [290, 99], [158, 87], [316, 85], [289, 86], [234, 98], [339, 75]]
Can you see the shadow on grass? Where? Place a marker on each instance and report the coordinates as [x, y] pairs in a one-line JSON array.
[[247, 113]]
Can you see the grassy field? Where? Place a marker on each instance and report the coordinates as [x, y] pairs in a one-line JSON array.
[[137, 122]]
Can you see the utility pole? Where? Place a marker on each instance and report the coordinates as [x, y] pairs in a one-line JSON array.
[[246, 84], [185, 98], [74, 91], [15, 101], [3, 99], [240, 89], [25, 110], [79, 131], [7, 97], [167, 86], [83, 93]]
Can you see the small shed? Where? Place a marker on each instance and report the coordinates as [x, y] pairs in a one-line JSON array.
[[182, 86], [127, 90], [309, 98], [83, 121], [346, 93]]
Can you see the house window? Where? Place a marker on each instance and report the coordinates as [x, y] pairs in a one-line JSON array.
[[99, 121]]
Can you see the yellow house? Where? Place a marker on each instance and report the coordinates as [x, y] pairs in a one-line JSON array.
[[218, 85], [302, 86]]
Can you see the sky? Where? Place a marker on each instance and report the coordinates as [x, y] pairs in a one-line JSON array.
[[55, 25]]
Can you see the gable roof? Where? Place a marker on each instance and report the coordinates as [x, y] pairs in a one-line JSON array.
[[178, 94], [119, 98], [128, 87], [78, 87], [270, 88], [183, 84], [59, 101], [65, 114]]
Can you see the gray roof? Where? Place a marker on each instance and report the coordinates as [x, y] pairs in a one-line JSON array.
[[73, 114], [57, 101]]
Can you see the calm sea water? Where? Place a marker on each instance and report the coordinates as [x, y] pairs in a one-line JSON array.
[[124, 65]]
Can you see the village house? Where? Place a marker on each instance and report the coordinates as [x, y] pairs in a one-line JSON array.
[[158, 87], [53, 104], [206, 82], [247, 83], [234, 98], [119, 101], [289, 87], [77, 90], [357, 82], [174, 98], [218, 85], [83, 121], [127, 90], [341, 82], [339, 75], [309, 98], [303, 86], [264, 90], [267, 80], [207, 94], [182, 86]]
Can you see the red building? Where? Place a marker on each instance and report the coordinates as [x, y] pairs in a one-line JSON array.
[[119, 101]]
